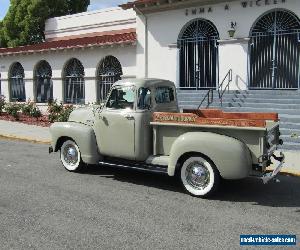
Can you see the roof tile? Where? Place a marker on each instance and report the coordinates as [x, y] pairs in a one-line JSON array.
[[107, 39]]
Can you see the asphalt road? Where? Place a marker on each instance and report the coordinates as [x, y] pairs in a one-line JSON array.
[[42, 206]]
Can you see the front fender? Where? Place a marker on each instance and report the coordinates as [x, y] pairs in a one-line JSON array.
[[231, 156], [82, 134]]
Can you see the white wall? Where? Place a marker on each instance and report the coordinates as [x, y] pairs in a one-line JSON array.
[[89, 22], [89, 57], [164, 28]]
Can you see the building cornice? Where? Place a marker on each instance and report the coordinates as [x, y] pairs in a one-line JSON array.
[[88, 27], [152, 6], [104, 41]]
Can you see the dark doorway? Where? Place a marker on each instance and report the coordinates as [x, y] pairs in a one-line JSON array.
[[199, 57], [274, 51]]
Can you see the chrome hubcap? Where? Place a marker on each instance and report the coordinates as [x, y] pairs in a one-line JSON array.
[[70, 154], [197, 175]]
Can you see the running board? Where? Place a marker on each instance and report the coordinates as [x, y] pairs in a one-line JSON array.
[[138, 166]]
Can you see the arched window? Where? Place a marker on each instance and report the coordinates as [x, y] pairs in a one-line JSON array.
[[74, 82], [109, 71], [199, 58], [17, 84], [274, 51], [43, 82]]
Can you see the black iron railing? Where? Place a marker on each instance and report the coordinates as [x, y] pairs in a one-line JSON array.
[[222, 89], [209, 97]]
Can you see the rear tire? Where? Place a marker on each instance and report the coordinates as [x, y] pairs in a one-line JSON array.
[[70, 156], [199, 176]]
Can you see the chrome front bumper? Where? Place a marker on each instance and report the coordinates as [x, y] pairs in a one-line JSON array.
[[269, 176]]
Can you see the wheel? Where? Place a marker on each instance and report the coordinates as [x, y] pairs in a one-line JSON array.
[[199, 176], [70, 156]]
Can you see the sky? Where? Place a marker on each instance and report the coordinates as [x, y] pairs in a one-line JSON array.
[[95, 5]]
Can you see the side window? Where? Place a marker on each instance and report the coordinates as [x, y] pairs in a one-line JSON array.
[[144, 98], [121, 98], [164, 95]]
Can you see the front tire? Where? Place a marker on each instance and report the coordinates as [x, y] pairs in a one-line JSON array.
[[199, 176], [70, 156]]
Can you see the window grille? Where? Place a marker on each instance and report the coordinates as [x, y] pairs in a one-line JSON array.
[[274, 51], [43, 82], [199, 57], [17, 84], [109, 71], [74, 82]]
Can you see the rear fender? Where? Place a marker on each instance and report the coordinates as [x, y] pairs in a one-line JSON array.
[[231, 156]]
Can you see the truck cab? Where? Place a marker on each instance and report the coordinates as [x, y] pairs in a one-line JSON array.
[[122, 126]]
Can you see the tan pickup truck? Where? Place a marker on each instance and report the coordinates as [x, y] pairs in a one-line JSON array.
[[140, 127]]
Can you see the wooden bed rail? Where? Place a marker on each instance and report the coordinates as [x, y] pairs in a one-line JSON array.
[[216, 117]]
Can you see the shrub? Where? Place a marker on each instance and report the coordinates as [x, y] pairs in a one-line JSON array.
[[27, 108], [2, 103], [58, 113], [35, 112], [13, 110], [54, 109], [65, 114]]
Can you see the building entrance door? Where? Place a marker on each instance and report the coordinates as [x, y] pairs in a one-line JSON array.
[[199, 57], [274, 52]]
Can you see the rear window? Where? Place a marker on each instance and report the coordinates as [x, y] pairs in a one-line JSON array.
[[164, 95]]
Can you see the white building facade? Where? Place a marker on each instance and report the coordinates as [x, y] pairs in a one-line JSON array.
[[195, 43], [189, 42], [82, 56]]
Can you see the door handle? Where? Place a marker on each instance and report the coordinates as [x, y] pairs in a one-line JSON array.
[[129, 117]]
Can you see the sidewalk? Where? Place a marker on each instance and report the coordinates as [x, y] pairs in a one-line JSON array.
[[15, 130]]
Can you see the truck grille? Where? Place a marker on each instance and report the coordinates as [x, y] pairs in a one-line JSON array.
[[272, 138]]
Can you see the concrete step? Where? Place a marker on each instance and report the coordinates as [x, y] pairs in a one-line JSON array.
[[257, 109], [289, 132], [264, 100], [290, 125], [295, 119], [260, 97], [290, 146], [216, 103], [268, 92], [281, 111], [263, 106], [238, 101], [293, 139]]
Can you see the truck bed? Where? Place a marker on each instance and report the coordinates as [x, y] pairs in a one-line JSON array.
[[250, 128]]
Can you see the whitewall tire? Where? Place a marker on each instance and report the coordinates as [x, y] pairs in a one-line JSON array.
[[199, 176], [70, 156]]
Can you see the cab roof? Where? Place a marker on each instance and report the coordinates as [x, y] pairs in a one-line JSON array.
[[144, 82]]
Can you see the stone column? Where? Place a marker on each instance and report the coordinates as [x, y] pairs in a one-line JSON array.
[[90, 89], [29, 89], [58, 89], [5, 88], [233, 54]]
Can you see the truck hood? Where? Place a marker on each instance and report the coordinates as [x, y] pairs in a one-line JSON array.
[[83, 115]]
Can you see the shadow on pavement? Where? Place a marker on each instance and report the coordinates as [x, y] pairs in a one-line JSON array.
[[286, 193], [135, 177]]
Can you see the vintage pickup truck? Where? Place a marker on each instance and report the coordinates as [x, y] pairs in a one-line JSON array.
[[140, 127]]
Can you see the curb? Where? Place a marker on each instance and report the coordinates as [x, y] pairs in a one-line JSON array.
[[26, 139], [292, 173], [286, 171]]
